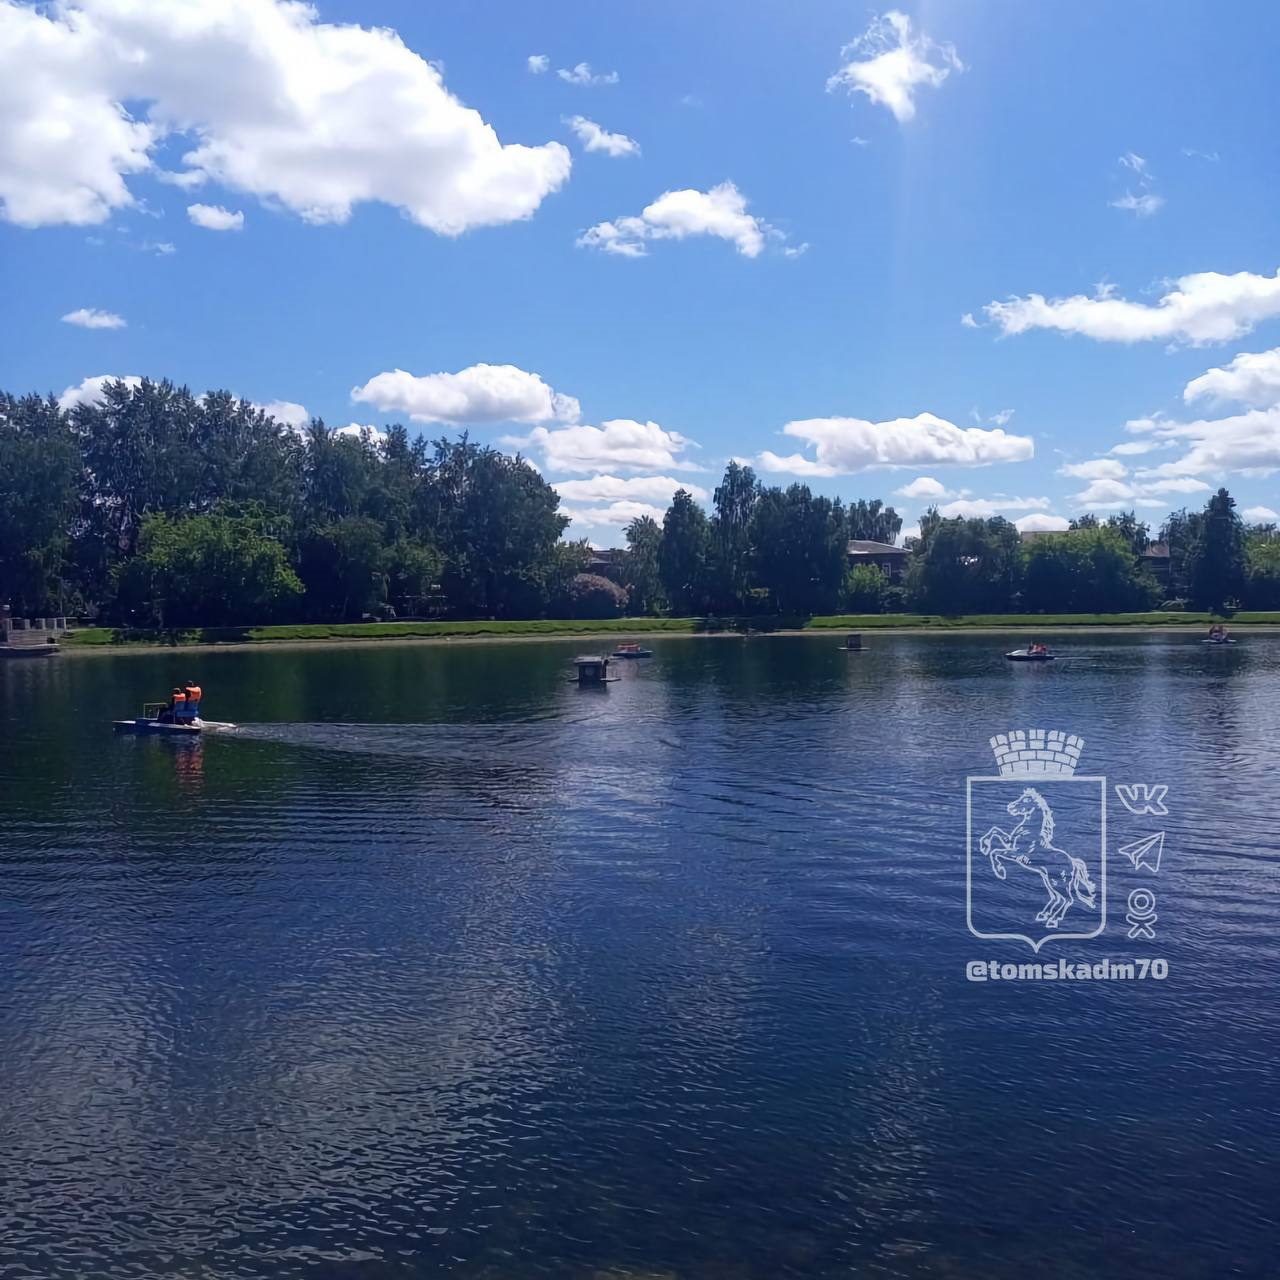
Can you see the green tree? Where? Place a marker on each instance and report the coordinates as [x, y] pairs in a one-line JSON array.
[[39, 471], [1262, 558], [1135, 534], [683, 554], [864, 589], [1181, 532], [344, 566], [729, 563], [965, 565], [588, 595], [207, 570], [799, 549], [497, 523], [873, 521], [641, 571], [1088, 570], [1216, 562]]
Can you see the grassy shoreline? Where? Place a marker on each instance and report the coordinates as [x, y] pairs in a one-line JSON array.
[[100, 638]]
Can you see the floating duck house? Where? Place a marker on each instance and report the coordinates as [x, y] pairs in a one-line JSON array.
[[593, 670]]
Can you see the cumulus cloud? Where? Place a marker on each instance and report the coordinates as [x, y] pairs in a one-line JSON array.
[[674, 215], [594, 138], [363, 431], [1260, 515], [846, 445], [538, 64], [90, 390], [92, 318], [288, 412], [1252, 378], [984, 508], [890, 62], [606, 488], [619, 444], [583, 75], [1202, 308], [1039, 522], [1107, 492], [213, 217], [1095, 469], [924, 487], [477, 394], [1248, 443], [311, 116]]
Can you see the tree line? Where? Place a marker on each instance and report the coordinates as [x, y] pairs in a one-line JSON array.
[[151, 506]]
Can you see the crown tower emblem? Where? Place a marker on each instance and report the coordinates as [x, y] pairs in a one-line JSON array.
[[1039, 752]]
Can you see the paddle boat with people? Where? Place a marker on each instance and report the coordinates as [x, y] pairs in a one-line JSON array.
[[631, 650], [1217, 635], [1032, 653], [178, 717]]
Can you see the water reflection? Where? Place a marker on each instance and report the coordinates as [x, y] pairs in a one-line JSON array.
[[439, 966]]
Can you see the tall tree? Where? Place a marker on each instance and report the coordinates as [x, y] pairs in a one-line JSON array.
[[1090, 570], [965, 566], [1180, 532], [735, 499], [799, 547], [1136, 534], [1216, 564], [683, 554], [39, 471], [641, 566], [873, 521]]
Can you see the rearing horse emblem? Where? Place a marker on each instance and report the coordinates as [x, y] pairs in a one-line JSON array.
[[1066, 877], [1035, 765]]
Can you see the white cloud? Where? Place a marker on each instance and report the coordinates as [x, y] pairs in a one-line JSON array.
[[1131, 447], [288, 412], [983, 508], [1260, 515], [1038, 522], [583, 75], [479, 393], [924, 487], [619, 444], [607, 488], [1251, 378], [1095, 469], [1001, 418], [1247, 442], [720, 212], [846, 445], [538, 64], [1193, 154], [1143, 203], [1201, 308], [363, 431], [613, 517], [594, 138], [90, 390], [1130, 160], [92, 318], [1112, 492], [889, 63], [968, 321], [186, 180], [311, 116], [213, 217]]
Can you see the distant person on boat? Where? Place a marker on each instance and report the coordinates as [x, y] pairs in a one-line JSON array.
[[1217, 632], [177, 708], [193, 694], [1039, 649]]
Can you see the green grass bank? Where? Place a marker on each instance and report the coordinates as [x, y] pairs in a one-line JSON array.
[[90, 637]]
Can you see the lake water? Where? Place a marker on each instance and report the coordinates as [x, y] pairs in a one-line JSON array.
[[442, 966]]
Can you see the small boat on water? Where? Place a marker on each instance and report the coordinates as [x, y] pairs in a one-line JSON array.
[[1218, 640], [149, 722], [631, 651], [1030, 655]]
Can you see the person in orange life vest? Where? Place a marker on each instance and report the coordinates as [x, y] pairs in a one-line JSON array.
[[176, 709], [194, 694]]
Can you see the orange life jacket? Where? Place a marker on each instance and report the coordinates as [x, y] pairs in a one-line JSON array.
[[193, 692], [178, 699]]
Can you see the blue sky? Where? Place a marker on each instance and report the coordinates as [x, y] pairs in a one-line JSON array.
[[825, 242]]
